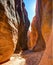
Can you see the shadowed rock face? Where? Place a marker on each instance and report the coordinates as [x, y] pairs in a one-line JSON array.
[[22, 26]]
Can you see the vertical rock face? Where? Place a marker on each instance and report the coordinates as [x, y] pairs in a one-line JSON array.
[[43, 25], [33, 34], [39, 42], [22, 26], [6, 42], [46, 29], [14, 24]]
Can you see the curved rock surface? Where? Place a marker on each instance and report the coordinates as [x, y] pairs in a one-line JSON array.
[[6, 42], [42, 24], [14, 24]]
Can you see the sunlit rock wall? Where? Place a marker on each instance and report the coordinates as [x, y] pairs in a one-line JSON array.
[[14, 24], [43, 26], [6, 37], [32, 35]]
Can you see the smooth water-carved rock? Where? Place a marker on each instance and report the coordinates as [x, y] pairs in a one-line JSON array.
[[6, 42], [43, 23], [33, 34], [9, 20], [37, 40]]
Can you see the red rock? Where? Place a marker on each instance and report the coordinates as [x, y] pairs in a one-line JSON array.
[[43, 25], [6, 42]]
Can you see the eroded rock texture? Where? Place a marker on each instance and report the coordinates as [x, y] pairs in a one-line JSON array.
[[14, 24], [23, 26], [6, 42]]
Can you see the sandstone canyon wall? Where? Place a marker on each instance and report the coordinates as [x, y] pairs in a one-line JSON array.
[[14, 24], [41, 31], [23, 26]]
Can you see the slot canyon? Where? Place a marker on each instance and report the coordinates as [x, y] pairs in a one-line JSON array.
[[18, 44]]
